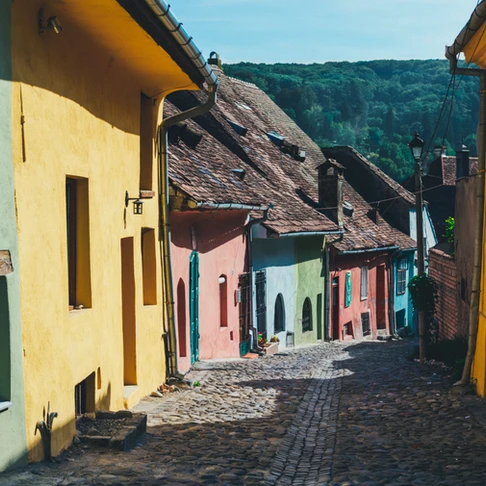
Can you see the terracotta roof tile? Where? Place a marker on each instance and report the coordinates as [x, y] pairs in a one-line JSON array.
[[273, 174]]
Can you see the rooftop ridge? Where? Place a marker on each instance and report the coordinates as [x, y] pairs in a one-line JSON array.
[[244, 83]]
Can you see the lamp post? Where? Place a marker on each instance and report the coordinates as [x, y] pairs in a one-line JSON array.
[[416, 147]]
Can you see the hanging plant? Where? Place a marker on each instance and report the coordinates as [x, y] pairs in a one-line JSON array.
[[424, 294]]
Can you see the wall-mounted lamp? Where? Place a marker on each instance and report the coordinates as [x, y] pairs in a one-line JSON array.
[[137, 203], [52, 23]]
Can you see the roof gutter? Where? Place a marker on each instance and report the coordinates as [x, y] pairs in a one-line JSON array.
[[311, 233], [473, 25], [170, 22], [354, 252], [249, 207]]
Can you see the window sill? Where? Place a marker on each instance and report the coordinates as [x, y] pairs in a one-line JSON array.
[[5, 406], [78, 312]]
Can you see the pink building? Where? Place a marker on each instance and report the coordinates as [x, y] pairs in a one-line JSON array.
[[209, 262]]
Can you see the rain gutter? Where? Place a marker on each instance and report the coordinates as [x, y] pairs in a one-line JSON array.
[[250, 207], [311, 233], [354, 252], [169, 21], [473, 25]]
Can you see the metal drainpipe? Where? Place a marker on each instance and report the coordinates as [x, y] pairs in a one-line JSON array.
[[164, 229], [391, 291], [250, 266], [478, 238], [327, 294]]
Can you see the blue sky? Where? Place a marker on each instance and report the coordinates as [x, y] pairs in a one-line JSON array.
[[323, 30]]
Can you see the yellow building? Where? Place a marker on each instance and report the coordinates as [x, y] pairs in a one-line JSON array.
[[471, 41], [89, 79]]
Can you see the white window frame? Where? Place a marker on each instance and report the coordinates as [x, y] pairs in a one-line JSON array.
[[364, 282]]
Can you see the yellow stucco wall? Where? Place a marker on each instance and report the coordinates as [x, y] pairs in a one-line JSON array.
[[81, 109]]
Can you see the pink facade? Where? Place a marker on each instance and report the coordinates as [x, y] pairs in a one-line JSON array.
[[367, 315], [220, 241]]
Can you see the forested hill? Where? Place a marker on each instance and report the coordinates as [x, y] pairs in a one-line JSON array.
[[375, 106]]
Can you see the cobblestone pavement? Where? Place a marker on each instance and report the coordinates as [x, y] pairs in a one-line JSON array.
[[330, 414]]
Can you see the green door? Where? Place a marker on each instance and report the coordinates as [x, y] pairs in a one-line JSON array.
[[194, 305]]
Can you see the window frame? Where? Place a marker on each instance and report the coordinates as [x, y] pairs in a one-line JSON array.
[[402, 271], [364, 282]]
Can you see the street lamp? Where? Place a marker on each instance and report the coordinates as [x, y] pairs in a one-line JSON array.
[[417, 147]]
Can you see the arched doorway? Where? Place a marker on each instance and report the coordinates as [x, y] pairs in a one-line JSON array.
[[279, 315], [307, 315]]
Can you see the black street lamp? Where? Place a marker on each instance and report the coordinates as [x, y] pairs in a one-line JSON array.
[[417, 147]]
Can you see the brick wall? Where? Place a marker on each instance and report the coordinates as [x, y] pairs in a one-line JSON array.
[[442, 268]]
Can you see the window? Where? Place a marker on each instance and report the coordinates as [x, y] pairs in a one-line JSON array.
[[365, 324], [78, 252], [400, 318], [402, 276], [84, 395], [279, 315], [223, 301], [149, 268], [307, 315], [146, 142], [348, 290], [364, 283]]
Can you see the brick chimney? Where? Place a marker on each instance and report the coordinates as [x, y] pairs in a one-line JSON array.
[[462, 162], [439, 150], [331, 178]]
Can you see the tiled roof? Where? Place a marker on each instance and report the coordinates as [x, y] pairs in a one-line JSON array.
[[272, 172], [351, 158], [448, 165]]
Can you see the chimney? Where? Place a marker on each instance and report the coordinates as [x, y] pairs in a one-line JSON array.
[[439, 150], [374, 213], [462, 162], [331, 178]]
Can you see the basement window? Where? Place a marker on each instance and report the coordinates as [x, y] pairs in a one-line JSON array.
[[84, 395]]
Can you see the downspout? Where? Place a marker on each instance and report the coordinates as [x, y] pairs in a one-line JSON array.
[[327, 293], [164, 230], [391, 293], [249, 239], [474, 24], [478, 237]]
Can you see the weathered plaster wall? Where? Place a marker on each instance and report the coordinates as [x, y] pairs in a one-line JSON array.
[[429, 232], [340, 265], [309, 281], [276, 257], [81, 107], [12, 421], [221, 245]]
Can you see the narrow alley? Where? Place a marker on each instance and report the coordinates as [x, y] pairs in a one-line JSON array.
[[332, 414]]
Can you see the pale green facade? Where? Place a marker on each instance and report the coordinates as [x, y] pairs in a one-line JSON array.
[[12, 415], [310, 274]]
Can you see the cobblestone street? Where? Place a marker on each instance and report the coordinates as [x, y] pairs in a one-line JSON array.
[[359, 414]]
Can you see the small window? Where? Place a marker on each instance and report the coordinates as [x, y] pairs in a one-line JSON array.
[[223, 301], [78, 252], [279, 316], [149, 267], [402, 276], [146, 142], [348, 290], [84, 395], [364, 283], [307, 315]]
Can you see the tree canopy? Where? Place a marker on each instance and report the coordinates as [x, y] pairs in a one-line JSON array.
[[374, 106]]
